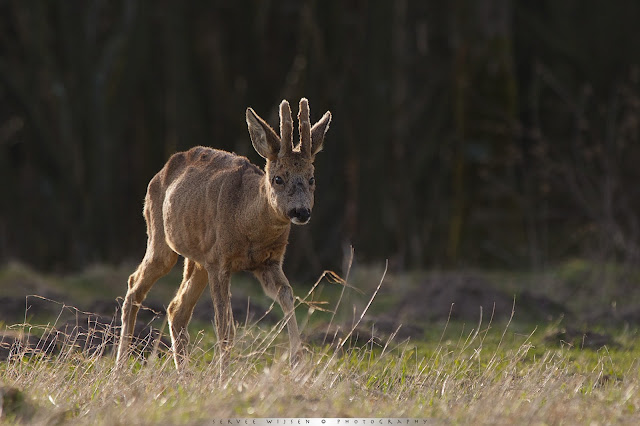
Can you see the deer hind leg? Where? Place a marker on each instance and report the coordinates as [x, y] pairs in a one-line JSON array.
[[277, 287], [155, 265], [220, 287], [157, 262], [181, 307]]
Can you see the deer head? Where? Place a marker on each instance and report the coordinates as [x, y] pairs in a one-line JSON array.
[[289, 169]]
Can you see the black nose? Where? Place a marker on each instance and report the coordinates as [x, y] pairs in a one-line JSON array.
[[302, 214]]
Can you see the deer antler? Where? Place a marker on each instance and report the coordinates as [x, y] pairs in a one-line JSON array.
[[286, 129], [304, 128]]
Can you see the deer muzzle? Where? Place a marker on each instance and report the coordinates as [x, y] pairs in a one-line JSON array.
[[300, 216]]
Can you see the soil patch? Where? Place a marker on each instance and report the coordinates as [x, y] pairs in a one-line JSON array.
[[616, 317], [460, 296], [583, 339], [96, 331]]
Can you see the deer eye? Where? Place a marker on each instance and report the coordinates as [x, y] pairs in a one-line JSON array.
[[312, 180], [278, 180]]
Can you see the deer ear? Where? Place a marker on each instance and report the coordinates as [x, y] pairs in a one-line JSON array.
[[265, 141], [317, 133]]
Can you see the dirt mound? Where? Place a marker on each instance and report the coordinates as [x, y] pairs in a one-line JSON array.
[[583, 339], [243, 309], [96, 335], [375, 330], [13, 309], [385, 326], [16, 342], [334, 335], [153, 309], [462, 296], [616, 317], [87, 333], [96, 330], [16, 308]]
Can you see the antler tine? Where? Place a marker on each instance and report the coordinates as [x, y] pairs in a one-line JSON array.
[[305, 127], [286, 128]]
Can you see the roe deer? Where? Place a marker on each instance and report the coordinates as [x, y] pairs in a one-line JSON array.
[[224, 214]]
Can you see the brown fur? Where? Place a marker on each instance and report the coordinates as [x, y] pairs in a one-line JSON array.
[[224, 214]]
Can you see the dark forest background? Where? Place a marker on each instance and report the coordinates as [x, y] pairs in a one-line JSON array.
[[495, 133]]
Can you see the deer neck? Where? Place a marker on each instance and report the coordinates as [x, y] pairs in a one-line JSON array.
[[260, 214]]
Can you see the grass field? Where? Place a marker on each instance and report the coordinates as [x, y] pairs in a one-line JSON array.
[[496, 369]]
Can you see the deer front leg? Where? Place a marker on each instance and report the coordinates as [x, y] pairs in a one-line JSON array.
[[220, 286], [276, 286]]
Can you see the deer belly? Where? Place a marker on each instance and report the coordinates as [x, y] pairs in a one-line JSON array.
[[187, 231]]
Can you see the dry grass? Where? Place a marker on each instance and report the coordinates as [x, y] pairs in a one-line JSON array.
[[486, 375]]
